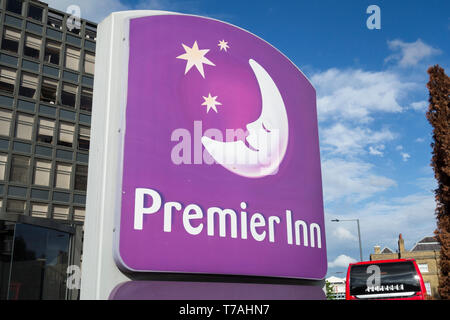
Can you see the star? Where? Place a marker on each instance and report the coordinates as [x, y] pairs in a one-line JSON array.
[[223, 45], [195, 57], [211, 103]]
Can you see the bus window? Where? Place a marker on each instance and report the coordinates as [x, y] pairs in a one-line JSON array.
[[387, 280]]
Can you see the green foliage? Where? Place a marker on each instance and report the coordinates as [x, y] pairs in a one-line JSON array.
[[329, 290]]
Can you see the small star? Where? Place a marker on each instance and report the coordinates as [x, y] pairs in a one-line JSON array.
[[195, 57], [211, 103], [223, 45]]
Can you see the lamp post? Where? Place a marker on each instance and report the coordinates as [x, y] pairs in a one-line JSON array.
[[359, 234]]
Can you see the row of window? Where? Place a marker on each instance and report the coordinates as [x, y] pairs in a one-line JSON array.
[[42, 170], [52, 50], [45, 130], [28, 86], [15, 6], [40, 210], [54, 19]]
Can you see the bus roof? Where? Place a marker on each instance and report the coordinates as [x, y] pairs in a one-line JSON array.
[[380, 261]]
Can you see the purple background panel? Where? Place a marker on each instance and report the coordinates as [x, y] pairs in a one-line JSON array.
[[179, 290], [162, 98]]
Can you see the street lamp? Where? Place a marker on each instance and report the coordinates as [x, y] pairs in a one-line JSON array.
[[359, 234]]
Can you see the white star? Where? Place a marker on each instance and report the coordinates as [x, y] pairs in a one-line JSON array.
[[195, 57], [223, 45], [211, 103]]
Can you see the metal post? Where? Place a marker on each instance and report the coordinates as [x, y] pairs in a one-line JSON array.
[[360, 246]]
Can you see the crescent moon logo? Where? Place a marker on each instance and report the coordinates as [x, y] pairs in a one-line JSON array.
[[265, 146]]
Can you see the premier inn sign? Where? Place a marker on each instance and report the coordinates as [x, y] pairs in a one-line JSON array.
[[217, 137]]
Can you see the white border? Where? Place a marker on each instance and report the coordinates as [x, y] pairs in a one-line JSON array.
[[99, 271]]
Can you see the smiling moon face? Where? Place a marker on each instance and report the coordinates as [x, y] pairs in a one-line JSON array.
[[265, 146]]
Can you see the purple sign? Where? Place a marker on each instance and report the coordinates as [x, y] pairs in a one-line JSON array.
[[221, 165]]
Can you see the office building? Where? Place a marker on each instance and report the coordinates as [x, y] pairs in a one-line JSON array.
[[46, 81]]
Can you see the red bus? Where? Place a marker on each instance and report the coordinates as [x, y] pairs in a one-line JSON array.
[[398, 279]]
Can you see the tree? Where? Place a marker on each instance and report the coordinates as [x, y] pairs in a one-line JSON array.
[[329, 290], [439, 117]]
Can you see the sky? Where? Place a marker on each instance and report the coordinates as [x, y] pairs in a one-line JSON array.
[[371, 99]]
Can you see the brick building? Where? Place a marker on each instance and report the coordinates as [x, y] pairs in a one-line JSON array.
[[425, 252]]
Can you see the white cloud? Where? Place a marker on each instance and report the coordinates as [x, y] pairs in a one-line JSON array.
[[356, 94], [419, 106], [376, 150], [343, 234], [352, 180], [344, 140], [405, 156], [410, 53], [341, 261], [412, 215]]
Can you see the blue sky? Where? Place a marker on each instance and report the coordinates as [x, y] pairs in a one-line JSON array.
[[372, 99]]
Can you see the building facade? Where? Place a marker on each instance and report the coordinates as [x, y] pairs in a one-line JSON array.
[[426, 253], [46, 81], [338, 287]]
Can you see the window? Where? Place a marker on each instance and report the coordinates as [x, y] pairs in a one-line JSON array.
[[28, 85], [84, 138], [32, 46], [81, 173], [16, 206], [69, 95], [74, 23], [86, 99], [24, 126], [90, 32], [52, 52], [55, 20], [39, 210], [394, 277], [62, 176], [89, 63], [60, 212], [38, 263], [72, 58], [75, 27], [45, 131], [19, 169], [7, 79], [78, 214], [11, 38], [42, 173], [34, 12], [5, 122], [3, 160], [66, 132], [428, 288], [49, 88], [423, 267], [14, 6]]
